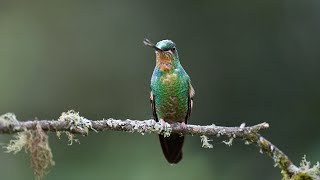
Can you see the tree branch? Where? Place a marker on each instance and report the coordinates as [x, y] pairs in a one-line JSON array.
[[140, 126], [71, 122]]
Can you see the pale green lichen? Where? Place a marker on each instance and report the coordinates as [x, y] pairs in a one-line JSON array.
[[135, 126], [144, 127], [8, 119], [19, 141], [76, 122], [221, 132], [229, 142], [305, 172], [288, 170], [58, 133], [36, 143], [71, 138], [205, 142], [139, 129]]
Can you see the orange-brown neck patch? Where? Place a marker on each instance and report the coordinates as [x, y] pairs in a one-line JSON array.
[[164, 61]]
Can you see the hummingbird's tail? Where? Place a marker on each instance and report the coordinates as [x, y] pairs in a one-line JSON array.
[[172, 147]]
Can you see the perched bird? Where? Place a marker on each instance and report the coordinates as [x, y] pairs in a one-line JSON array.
[[171, 95]]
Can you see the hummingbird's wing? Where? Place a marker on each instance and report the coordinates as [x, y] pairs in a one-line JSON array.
[[153, 107], [191, 94]]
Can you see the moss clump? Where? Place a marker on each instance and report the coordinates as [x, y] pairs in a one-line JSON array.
[[36, 143], [301, 176], [41, 155], [76, 121]]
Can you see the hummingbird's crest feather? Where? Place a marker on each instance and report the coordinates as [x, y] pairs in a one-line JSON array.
[[147, 42]]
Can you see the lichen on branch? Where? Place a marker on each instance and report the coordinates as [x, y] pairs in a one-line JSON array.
[[35, 142], [31, 136]]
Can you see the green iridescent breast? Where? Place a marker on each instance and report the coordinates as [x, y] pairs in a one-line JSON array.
[[170, 90]]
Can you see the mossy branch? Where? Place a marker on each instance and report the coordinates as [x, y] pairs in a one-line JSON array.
[[140, 126], [72, 123]]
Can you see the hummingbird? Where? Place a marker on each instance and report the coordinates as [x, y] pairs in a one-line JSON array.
[[171, 95]]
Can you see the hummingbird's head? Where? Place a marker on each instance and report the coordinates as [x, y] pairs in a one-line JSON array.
[[166, 54]]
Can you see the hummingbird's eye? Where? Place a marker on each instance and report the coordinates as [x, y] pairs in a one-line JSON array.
[[173, 49]]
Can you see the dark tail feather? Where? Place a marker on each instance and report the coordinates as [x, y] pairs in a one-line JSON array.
[[172, 147]]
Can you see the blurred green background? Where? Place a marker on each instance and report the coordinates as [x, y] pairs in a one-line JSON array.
[[249, 61]]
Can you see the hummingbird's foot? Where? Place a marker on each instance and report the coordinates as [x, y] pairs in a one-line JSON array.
[[163, 124], [165, 128]]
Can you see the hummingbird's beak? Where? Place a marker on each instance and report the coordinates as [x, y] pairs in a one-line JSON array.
[[147, 42]]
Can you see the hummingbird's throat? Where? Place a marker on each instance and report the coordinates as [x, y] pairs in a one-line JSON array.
[[164, 61]]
